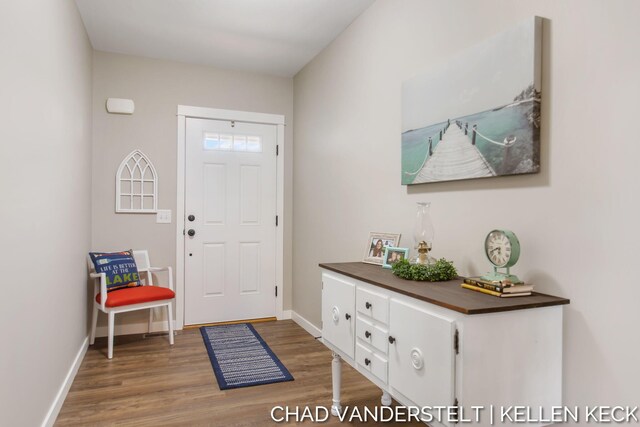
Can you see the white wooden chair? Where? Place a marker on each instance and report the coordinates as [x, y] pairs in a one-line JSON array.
[[143, 297]]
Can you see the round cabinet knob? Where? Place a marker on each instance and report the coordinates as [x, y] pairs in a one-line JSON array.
[[191, 218], [335, 314], [368, 305], [367, 362], [347, 316], [367, 334], [391, 339], [191, 232], [416, 359]]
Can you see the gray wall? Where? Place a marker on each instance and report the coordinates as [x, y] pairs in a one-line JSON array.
[[157, 88], [576, 220], [45, 181]]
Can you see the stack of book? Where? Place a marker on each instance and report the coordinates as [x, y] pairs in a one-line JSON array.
[[502, 289]]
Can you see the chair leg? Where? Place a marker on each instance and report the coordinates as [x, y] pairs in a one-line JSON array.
[[170, 320], [94, 323], [150, 320], [112, 316]]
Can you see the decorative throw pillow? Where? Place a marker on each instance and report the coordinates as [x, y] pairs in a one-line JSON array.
[[119, 267]]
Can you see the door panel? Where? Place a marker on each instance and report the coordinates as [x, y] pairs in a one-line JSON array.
[[215, 197], [249, 267], [250, 195], [214, 262], [230, 188]]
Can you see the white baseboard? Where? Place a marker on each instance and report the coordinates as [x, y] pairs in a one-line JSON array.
[[134, 328], [306, 325], [156, 326], [54, 410]]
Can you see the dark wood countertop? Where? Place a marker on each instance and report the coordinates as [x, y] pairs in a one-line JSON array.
[[445, 294]]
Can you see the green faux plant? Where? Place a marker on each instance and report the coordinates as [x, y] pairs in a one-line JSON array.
[[441, 271]]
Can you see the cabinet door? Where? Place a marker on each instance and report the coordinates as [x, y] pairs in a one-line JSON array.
[[421, 359], [338, 312]]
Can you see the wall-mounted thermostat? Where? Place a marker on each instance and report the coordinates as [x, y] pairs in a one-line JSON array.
[[120, 106]]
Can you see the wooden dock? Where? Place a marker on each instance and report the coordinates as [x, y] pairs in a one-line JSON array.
[[455, 157]]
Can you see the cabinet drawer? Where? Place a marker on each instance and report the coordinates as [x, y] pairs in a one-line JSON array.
[[372, 304], [371, 334], [372, 363]]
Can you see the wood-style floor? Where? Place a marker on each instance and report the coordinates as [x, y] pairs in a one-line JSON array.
[[149, 383]]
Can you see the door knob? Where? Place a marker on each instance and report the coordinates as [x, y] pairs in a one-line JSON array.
[[191, 232], [368, 305], [367, 362], [347, 316], [367, 334], [391, 339], [191, 218]]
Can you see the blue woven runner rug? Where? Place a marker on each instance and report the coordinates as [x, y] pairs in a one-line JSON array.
[[241, 358]]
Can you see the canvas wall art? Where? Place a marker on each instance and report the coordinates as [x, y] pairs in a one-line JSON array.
[[476, 115]]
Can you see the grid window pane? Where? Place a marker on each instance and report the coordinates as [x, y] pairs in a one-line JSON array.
[[239, 143], [254, 144], [227, 142]]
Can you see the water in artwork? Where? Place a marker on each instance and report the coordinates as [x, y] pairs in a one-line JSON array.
[[518, 122]]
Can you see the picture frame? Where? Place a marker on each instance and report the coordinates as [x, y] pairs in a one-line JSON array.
[[377, 242], [393, 255]]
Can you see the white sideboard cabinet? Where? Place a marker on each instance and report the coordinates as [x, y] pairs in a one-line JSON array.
[[437, 345]]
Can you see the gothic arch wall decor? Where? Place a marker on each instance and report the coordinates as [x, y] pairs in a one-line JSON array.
[[136, 185]]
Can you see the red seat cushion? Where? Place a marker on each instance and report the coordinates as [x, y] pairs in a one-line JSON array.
[[136, 295]]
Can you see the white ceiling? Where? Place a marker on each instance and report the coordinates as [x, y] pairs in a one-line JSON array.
[[268, 36]]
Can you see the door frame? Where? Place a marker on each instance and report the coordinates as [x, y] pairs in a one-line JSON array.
[[185, 112]]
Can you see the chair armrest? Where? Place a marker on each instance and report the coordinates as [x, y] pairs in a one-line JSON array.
[[103, 287], [169, 271]]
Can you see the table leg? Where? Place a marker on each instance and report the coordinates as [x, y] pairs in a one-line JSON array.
[[386, 398], [336, 374]]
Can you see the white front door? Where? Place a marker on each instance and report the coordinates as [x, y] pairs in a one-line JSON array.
[[230, 221]]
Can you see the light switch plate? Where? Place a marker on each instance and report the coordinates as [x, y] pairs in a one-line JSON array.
[[163, 216]]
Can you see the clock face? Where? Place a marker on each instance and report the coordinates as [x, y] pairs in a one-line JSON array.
[[499, 248]]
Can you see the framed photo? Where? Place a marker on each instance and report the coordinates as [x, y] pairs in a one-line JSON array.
[[374, 252], [393, 255]]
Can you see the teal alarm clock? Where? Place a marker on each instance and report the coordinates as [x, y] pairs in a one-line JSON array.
[[502, 249]]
